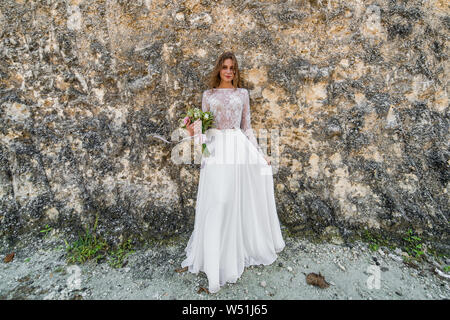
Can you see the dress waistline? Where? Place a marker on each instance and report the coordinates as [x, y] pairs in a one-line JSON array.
[[224, 130]]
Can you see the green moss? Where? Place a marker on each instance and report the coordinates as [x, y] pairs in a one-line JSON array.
[[117, 257], [407, 240], [413, 245], [376, 240], [46, 230], [91, 246], [438, 255]]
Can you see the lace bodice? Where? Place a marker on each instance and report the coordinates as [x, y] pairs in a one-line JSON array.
[[231, 109]]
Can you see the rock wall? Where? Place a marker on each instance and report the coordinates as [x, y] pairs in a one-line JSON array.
[[358, 90]]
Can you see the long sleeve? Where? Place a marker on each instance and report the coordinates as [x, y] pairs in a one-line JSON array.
[[205, 105], [201, 137], [246, 123]]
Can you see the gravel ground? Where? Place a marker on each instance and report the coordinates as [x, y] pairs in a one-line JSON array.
[[39, 271]]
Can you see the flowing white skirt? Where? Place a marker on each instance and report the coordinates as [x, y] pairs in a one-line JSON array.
[[236, 223]]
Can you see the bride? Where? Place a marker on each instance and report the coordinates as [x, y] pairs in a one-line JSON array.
[[236, 223]]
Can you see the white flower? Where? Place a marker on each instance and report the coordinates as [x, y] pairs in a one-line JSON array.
[[206, 116]]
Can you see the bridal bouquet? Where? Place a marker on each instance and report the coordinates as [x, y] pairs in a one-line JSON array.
[[207, 120]]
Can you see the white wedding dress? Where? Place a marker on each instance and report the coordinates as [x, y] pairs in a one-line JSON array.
[[236, 223]]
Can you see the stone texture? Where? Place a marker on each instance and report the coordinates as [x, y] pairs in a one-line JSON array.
[[358, 90]]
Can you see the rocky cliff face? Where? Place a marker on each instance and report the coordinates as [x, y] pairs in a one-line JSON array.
[[357, 90]]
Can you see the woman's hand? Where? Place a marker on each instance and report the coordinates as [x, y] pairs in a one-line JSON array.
[[267, 159], [193, 127]]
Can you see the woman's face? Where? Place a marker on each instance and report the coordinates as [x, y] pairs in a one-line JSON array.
[[227, 72]]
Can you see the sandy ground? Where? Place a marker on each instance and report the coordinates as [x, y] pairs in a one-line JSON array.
[[40, 272]]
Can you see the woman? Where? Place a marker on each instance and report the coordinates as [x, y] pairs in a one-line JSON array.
[[236, 223]]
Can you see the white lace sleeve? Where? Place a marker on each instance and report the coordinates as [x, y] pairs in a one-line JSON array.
[[246, 124], [205, 104]]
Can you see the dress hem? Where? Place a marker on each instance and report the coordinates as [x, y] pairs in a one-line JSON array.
[[234, 279]]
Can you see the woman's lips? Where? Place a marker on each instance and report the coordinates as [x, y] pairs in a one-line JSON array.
[[228, 76]]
